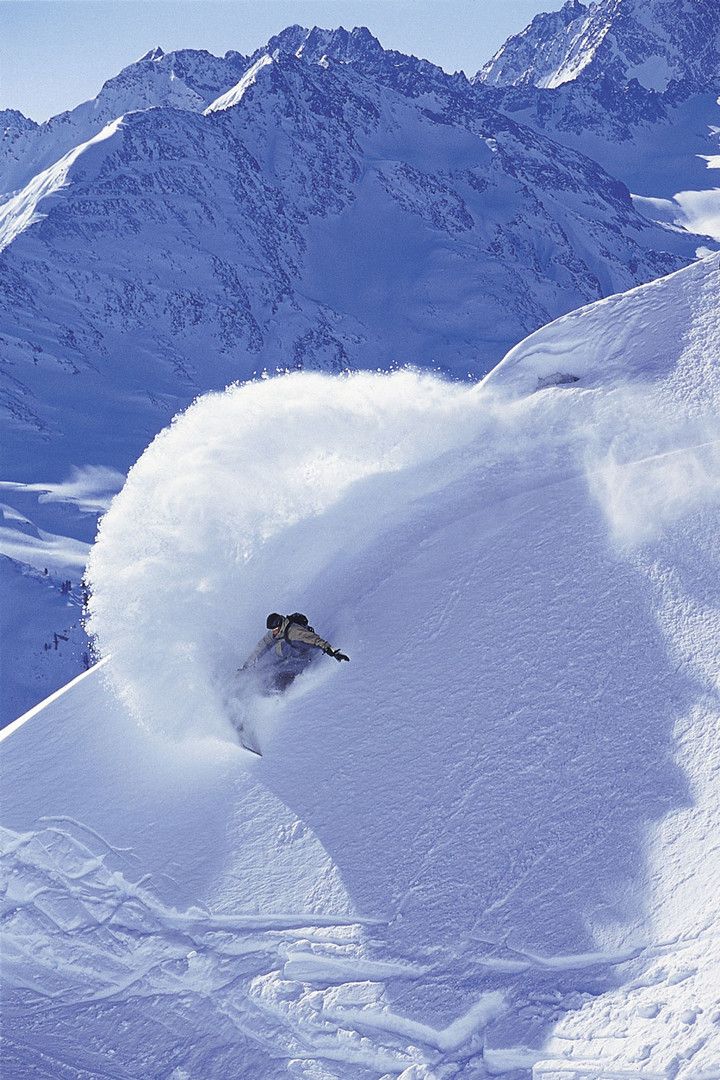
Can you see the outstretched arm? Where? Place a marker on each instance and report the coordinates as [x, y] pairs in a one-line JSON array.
[[309, 637]]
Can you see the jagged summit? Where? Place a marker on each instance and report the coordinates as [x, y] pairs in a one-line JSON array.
[[188, 79], [541, 45], [12, 122], [346, 46], [161, 78], [656, 43], [360, 49], [154, 54]]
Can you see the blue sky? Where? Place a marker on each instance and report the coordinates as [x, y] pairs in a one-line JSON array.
[[56, 53]]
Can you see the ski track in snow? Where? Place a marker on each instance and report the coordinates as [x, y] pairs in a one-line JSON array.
[[81, 937]]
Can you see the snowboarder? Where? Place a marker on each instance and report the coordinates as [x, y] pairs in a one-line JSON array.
[[292, 641]]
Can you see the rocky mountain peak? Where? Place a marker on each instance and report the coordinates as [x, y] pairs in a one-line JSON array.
[[654, 43], [13, 122], [154, 54], [346, 46]]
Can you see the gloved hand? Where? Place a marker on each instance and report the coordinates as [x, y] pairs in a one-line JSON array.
[[336, 653]]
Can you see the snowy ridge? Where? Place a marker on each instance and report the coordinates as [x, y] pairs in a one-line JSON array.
[[497, 820], [665, 1017], [234, 96], [20, 212], [655, 42], [552, 50], [188, 79]]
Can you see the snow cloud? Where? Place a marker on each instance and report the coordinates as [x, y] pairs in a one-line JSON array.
[[251, 500], [660, 470], [238, 508]]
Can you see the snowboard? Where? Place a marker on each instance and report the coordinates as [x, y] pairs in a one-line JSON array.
[[238, 709], [246, 740]]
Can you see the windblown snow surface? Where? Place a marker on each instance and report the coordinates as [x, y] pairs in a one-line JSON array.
[[486, 845]]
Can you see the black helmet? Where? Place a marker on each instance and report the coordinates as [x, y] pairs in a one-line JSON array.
[[273, 621]]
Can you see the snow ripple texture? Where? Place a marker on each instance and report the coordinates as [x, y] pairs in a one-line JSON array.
[[81, 936]]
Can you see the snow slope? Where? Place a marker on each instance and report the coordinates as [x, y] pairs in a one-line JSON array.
[[485, 845], [45, 537]]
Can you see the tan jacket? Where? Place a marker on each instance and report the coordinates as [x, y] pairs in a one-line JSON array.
[[284, 639]]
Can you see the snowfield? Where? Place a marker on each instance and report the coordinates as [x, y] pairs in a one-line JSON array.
[[485, 846]]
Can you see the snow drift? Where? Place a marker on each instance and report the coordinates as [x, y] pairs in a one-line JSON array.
[[472, 849]]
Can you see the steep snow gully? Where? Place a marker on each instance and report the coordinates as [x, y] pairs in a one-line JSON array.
[[486, 845]]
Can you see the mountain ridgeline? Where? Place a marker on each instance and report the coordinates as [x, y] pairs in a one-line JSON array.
[[324, 203]]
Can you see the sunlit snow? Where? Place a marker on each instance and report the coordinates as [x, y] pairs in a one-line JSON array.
[[485, 843]]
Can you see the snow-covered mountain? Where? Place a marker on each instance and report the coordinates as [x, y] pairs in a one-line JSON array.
[[632, 83], [188, 79], [656, 43], [311, 215], [324, 204], [485, 846]]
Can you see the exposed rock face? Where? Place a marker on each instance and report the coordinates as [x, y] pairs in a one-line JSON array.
[[325, 203], [632, 83]]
